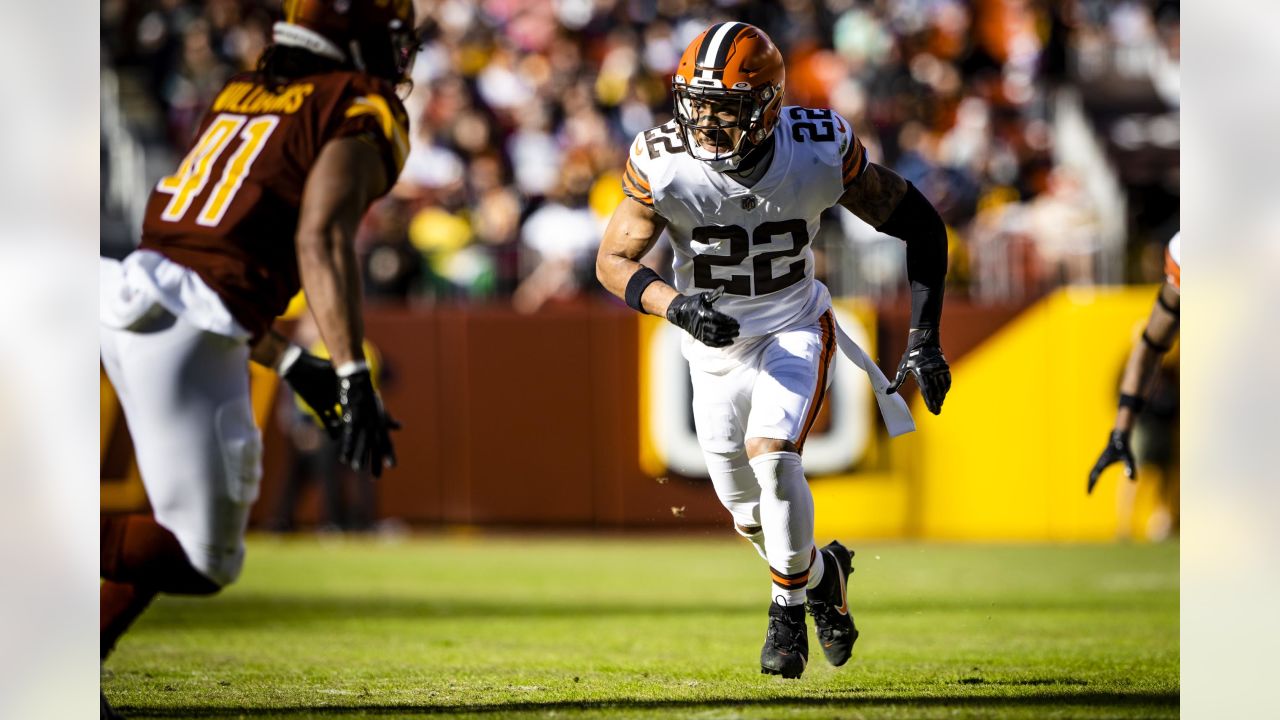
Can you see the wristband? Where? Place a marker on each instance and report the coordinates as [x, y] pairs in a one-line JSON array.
[[640, 280], [1133, 402], [918, 336], [288, 358], [347, 369]]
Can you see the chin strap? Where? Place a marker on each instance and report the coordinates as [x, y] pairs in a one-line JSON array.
[[290, 35], [755, 157], [729, 164]]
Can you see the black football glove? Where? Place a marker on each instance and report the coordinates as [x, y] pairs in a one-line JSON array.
[[313, 379], [695, 315], [923, 359], [366, 426], [1117, 450]]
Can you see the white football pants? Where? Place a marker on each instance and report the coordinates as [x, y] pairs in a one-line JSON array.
[[185, 394], [773, 390]]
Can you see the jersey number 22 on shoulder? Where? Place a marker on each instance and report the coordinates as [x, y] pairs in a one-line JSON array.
[[819, 130]]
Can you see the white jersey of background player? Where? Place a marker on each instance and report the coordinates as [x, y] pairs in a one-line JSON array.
[[740, 182]]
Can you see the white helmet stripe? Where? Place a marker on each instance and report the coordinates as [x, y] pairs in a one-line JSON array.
[[717, 49], [702, 55]]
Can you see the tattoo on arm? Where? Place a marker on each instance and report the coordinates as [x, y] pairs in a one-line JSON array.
[[874, 195], [1162, 325], [1162, 328]]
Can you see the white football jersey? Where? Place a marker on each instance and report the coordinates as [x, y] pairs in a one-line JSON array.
[[756, 242]]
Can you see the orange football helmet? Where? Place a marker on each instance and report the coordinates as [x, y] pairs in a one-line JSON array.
[[728, 93], [374, 36]]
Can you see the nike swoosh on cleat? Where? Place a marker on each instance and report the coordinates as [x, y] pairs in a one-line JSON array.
[[844, 597]]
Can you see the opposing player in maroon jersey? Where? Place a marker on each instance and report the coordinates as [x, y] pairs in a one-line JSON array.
[[284, 164]]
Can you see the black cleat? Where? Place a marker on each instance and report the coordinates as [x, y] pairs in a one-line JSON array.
[[786, 644], [829, 605]]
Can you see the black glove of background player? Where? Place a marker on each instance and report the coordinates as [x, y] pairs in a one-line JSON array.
[[695, 315], [366, 426], [313, 379], [923, 359], [1117, 450]]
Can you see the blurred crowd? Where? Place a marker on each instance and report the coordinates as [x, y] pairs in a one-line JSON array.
[[522, 111]]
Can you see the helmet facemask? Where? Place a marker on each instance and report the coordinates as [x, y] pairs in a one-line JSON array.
[[721, 126]]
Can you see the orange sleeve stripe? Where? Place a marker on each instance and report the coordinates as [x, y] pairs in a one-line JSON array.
[[1172, 270], [851, 155], [638, 174], [632, 190], [636, 182], [637, 177], [855, 150], [635, 193], [854, 161]]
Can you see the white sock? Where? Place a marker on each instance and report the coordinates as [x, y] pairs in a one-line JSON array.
[[756, 538], [737, 489], [786, 515], [817, 570]]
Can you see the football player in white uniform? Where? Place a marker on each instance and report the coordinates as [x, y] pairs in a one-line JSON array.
[[1157, 339], [740, 182]]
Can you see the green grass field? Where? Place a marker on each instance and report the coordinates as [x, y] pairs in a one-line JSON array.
[[637, 627]]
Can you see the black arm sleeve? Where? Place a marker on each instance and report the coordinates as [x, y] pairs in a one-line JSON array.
[[919, 225]]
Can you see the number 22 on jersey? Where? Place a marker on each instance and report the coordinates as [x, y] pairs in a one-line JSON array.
[[189, 181], [761, 279]]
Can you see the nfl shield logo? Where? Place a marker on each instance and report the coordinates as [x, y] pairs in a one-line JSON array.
[[749, 203]]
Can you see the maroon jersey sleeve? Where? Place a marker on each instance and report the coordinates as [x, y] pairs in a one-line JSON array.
[[370, 110], [230, 210]]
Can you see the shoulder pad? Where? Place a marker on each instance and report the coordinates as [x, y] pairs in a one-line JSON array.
[[649, 160]]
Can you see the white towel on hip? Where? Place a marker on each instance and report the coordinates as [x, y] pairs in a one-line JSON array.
[[893, 409]]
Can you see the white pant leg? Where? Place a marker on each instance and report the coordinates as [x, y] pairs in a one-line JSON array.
[[721, 402], [185, 394], [794, 374]]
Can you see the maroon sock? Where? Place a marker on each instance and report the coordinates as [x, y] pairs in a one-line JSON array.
[[138, 550], [139, 559], [119, 604]]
